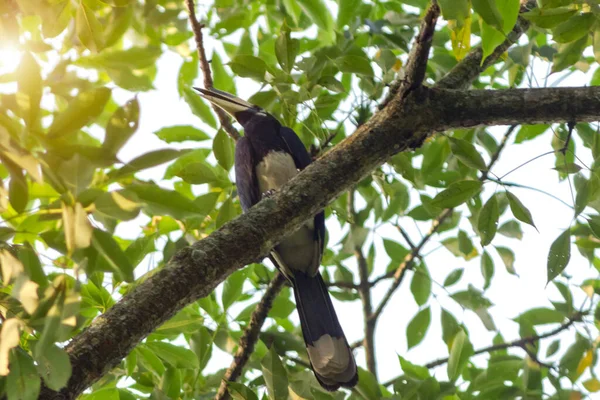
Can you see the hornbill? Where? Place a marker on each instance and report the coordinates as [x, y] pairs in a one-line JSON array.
[[266, 157]]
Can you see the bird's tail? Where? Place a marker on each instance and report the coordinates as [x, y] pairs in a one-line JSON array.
[[328, 351]]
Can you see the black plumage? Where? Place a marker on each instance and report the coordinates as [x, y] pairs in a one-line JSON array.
[[266, 157]]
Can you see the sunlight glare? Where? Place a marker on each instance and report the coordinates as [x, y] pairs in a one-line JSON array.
[[9, 58]]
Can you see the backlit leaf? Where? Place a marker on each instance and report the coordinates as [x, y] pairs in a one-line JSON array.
[[487, 222], [456, 194], [559, 255], [417, 327]]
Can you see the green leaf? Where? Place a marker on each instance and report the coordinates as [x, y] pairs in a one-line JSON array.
[[30, 87], [552, 348], [223, 149], [394, 250], [594, 223], [508, 258], [232, 288], [420, 286], [54, 365], [275, 375], [456, 194], [450, 327], [347, 12], [487, 222], [132, 58], [548, 19], [453, 277], [111, 255], [248, 66], [541, 316], [201, 343], [18, 190], [221, 78], [367, 386], [318, 13], [286, 49], [85, 108], [121, 205], [489, 12], [559, 255], [177, 357], [121, 126], [147, 160], [198, 107], [412, 370], [181, 133], [511, 229], [239, 391], [460, 351], [89, 29], [519, 210], [569, 168], [568, 54], [457, 10], [467, 153], [417, 327], [226, 213], [528, 132], [158, 201], [574, 28], [23, 382], [354, 64], [187, 73], [487, 269]]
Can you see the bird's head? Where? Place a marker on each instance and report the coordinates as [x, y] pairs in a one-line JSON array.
[[240, 109]]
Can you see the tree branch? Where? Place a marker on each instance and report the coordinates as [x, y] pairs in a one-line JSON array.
[[364, 289], [250, 336], [205, 67], [403, 124], [522, 343], [470, 67], [398, 274]]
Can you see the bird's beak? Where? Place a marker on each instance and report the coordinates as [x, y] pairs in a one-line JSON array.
[[224, 100]]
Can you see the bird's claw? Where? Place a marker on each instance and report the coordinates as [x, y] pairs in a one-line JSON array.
[[268, 194]]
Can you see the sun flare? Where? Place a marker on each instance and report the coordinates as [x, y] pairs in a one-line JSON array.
[[9, 58]]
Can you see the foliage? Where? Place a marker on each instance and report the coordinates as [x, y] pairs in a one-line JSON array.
[[71, 106]]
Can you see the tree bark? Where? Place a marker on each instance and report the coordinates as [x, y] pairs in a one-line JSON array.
[[195, 271]]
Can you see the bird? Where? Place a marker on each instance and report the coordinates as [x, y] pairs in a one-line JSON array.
[[266, 157]]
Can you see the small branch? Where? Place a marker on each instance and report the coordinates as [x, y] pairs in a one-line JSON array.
[[408, 260], [405, 236], [496, 155], [516, 343], [522, 343], [398, 274], [364, 289], [343, 285], [416, 65], [205, 66], [250, 335], [470, 67]]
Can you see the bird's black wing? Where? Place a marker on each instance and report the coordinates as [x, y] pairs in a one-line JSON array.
[[245, 178], [302, 159], [295, 147]]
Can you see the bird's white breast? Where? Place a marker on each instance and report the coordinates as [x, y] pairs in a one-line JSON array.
[[275, 169]]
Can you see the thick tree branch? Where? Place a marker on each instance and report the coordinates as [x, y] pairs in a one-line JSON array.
[[522, 343], [205, 67], [403, 124], [250, 336]]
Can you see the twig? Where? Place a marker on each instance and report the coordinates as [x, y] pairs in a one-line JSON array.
[[364, 289], [250, 335], [205, 66], [398, 274], [416, 65], [470, 67], [405, 236], [496, 154], [343, 285], [516, 343]]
